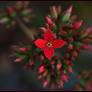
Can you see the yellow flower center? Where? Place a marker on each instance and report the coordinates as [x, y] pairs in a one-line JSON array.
[[49, 44]]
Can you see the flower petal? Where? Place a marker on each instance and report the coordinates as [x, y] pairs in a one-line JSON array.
[[49, 52], [48, 35], [58, 43], [40, 43]]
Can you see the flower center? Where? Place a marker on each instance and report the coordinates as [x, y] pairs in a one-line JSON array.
[[49, 44]]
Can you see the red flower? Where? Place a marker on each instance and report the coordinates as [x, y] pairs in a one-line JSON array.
[[48, 44]]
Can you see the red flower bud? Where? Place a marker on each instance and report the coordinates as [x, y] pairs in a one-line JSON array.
[[69, 10], [39, 76], [42, 57], [78, 24], [71, 39], [45, 83], [67, 61], [23, 49], [18, 60], [53, 9], [41, 69], [60, 84], [52, 62], [70, 70], [70, 47], [44, 74], [10, 10], [64, 77], [59, 9], [58, 66], [31, 63], [48, 20], [72, 58], [67, 55], [75, 54], [42, 29]]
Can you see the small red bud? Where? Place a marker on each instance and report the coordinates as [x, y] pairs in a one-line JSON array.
[[41, 57], [60, 84], [10, 10], [45, 83], [58, 66], [23, 49], [75, 54], [48, 20], [59, 9], [70, 39], [42, 29], [18, 60], [78, 24], [70, 47], [39, 77], [31, 63], [67, 55], [52, 62], [67, 61], [44, 74], [70, 70], [64, 77], [41, 69]]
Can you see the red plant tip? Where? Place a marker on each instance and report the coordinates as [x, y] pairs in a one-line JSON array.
[[31, 63], [42, 29], [59, 9], [23, 49], [67, 55], [39, 77], [53, 9], [89, 29], [58, 66], [78, 24], [73, 18], [71, 39], [45, 83], [44, 74], [52, 62], [41, 69], [87, 47], [75, 54], [72, 58], [67, 61], [70, 70], [18, 60], [64, 77], [70, 47], [48, 20], [48, 44], [69, 10], [60, 84], [10, 10], [41, 57]]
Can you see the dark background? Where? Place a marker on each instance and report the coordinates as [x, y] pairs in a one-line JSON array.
[[12, 76]]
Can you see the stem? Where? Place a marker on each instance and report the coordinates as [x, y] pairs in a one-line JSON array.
[[25, 29]]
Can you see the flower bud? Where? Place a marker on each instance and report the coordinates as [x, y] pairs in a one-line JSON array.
[[48, 20], [75, 53], [67, 55], [45, 83], [70, 47], [87, 47], [78, 24], [67, 61], [58, 66], [31, 62], [41, 69], [23, 49], [54, 12], [71, 39], [64, 77], [18, 60], [42, 29], [41, 57], [44, 74], [52, 62], [67, 14], [70, 69], [39, 77], [60, 84], [10, 10], [59, 9]]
